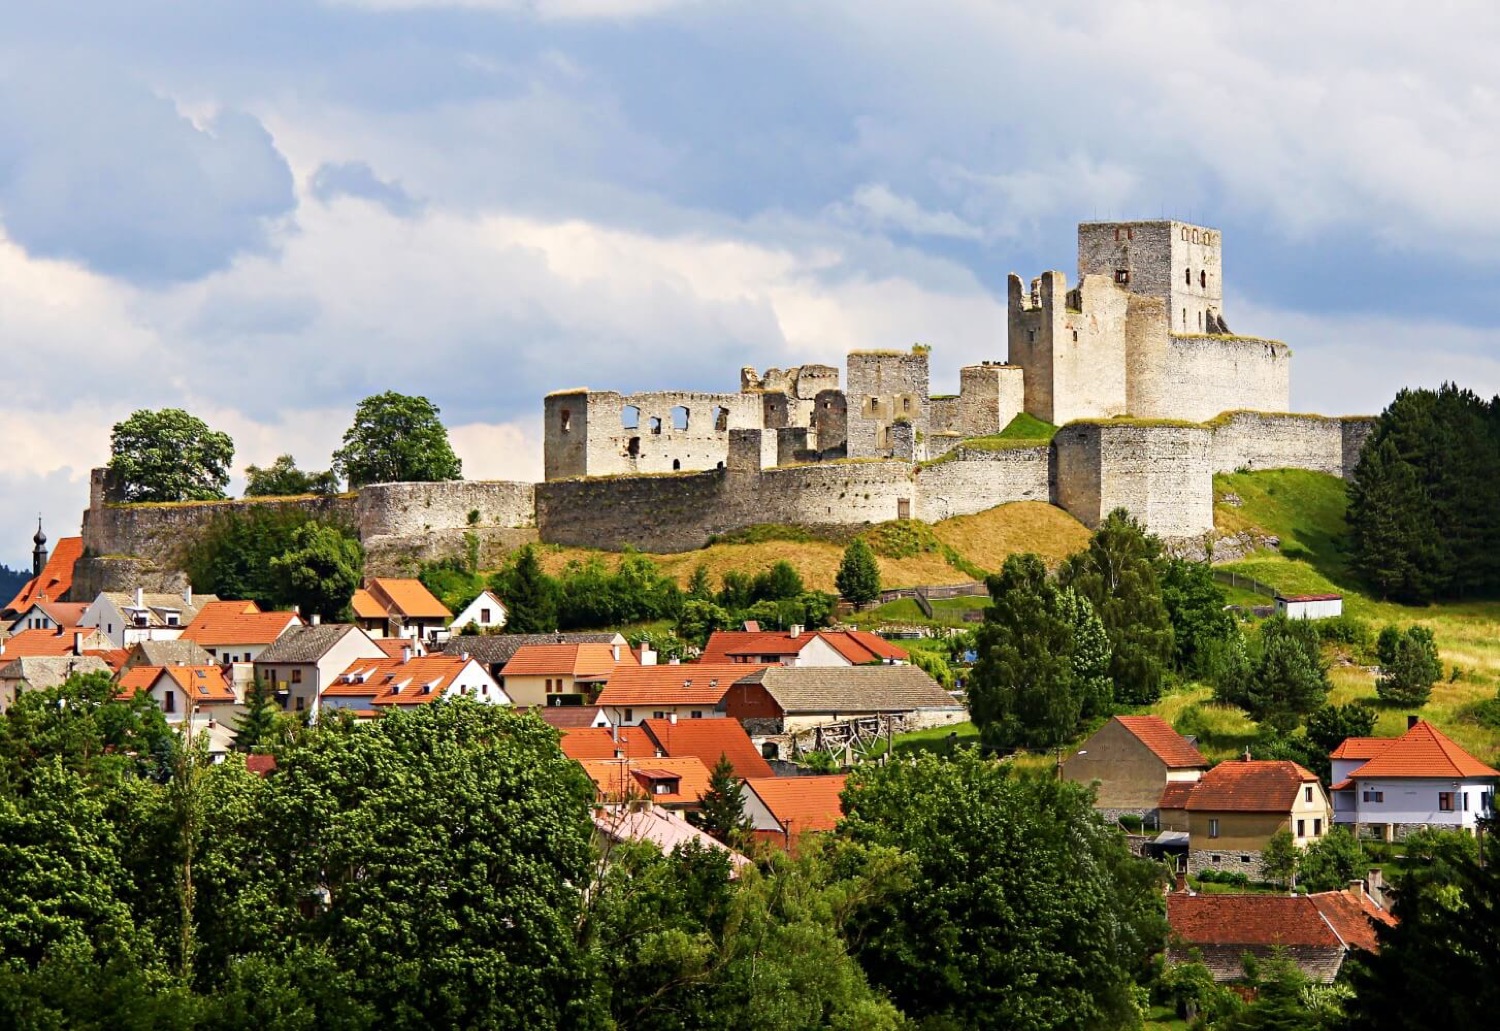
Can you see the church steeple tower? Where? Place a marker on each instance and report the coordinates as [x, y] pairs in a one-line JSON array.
[[39, 553]]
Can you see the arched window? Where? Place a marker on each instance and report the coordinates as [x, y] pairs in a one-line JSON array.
[[680, 417], [655, 424], [630, 417], [676, 464]]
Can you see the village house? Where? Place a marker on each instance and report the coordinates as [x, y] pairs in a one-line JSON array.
[[394, 607], [1390, 787], [673, 783], [166, 653], [782, 809], [1317, 932], [1310, 606], [777, 704], [304, 660], [799, 647], [1130, 761], [708, 741], [370, 686], [42, 672], [52, 581], [129, 618], [486, 612], [1234, 809], [182, 691], [692, 691], [44, 614], [664, 828], [237, 631], [494, 651], [78, 641], [563, 674]]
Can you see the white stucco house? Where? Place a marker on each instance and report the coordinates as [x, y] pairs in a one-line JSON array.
[[1392, 786], [487, 612]]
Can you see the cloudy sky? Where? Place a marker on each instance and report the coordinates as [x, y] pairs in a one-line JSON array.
[[264, 210]]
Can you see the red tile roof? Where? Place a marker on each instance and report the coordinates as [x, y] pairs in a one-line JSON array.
[[1352, 917], [693, 684], [1176, 794], [408, 598], [366, 607], [1165, 743], [114, 658], [66, 614], [395, 647], [393, 682], [1327, 920], [1257, 785], [1423, 751], [137, 679], [600, 743], [260, 764], [808, 803], [220, 624], [52, 642], [579, 661], [856, 646], [204, 685], [1361, 747], [616, 780], [861, 646], [708, 739], [567, 717], [56, 578]]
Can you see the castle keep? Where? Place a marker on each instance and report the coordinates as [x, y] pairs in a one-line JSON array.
[[1135, 364]]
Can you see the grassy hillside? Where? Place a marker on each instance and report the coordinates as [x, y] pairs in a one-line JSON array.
[[1306, 510], [952, 551]]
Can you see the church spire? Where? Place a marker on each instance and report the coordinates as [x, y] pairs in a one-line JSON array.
[[39, 553]]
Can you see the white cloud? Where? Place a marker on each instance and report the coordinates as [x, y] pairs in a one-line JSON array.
[[561, 10], [877, 206]]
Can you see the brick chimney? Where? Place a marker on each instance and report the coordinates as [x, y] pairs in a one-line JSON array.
[[1357, 888]]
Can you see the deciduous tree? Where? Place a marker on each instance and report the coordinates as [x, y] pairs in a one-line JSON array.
[[320, 570], [282, 479], [396, 439], [169, 455]]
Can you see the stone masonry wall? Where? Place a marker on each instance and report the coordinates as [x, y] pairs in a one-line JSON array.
[[1357, 430], [881, 387], [1160, 472], [1198, 377], [1260, 440], [403, 508], [972, 481]]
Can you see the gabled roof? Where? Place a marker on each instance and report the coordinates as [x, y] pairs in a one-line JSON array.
[[1255, 786], [66, 614], [1352, 917], [396, 647], [304, 644], [601, 743], [136, 679], [861, 646], [1330, 919], [56, 578], [663, 828], [578, 661], [155, 605], [617, 780], [169, 653], [52, 642], [567, 717], [204, 685], [393, 682], [407, 598], [857, 647], [690, 684], [806, 803], [40, 672], [220, 625], [1165, 743], [1425, 752], [365, 606], [1361, 747], [497, 649], [850, 689], [1176, 794], [708, 740]]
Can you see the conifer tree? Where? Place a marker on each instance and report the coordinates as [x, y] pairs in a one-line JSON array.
[[258, 725], [858, 578], [723, 805], [530, 594], [1409, 666]]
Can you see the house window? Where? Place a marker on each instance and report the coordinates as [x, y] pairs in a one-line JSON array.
[[1301, 828], [1317, 828], [484, 616], [296, 676], [169, 702], [301, 703], [1466, 801], [1216, 860], [658, 715], [485, 690], [1244, 859], [1213, 828], [1374, 796], [629, 716], [697, 714], [1307, 793], [1445, 801]]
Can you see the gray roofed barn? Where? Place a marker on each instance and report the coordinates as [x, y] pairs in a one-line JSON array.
[[300, 644], [850, 689]]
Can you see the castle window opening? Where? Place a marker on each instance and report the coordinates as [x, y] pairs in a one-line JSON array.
[[1184, 318], [1031, 336], [721, 418], [906, 404], [567, 420], [676, 464], [655, 425], [1075, 336], [1195, 236], [633, 449], [1122, 276], [1188, 275], [1129, 233], [1203, 279], [720, 465], [1184, 234], [680, 417], [1200, 322], [630, 417]]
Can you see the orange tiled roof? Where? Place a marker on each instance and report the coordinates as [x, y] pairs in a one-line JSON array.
[[1246, 920], [1256, 786], [1176, 794], [1353, 918], [1361, 747], [395, 647], [204, 685], [222, 624], [693, 684], [409, 598], [56, 578], [365, 606], [809, 803], [579, 661], [856, 646], [51, 642], [137, 679], [600, 743], [707, 740], [393, 682], [66, 614], [1165, 743], [861, 646], [566, 717], [114, 658], [1423, 751], [617, 780]]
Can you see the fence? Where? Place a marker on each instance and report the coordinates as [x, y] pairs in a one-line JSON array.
[[1244, 583]]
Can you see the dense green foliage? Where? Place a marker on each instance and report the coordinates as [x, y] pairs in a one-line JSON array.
[[1332, 861], [11, 581], [1409, 666], [858, 578], [723, 805], [1042, 661], [1023, 910], [396, 438], [1195, 607], [278, 556], [1278, 861], [282, 479], [1120, 575], [169, 455], [529, 593], [1424, 504], [1279, 677]]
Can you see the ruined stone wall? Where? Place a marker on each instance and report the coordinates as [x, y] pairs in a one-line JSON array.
[[1357, 430], [883, 386], [943, 415], [1195, 378], [645, 433], [972, 481], [1258, 440], [565, 434], [1030, 329], [1175, 262], [404, 508], [1070, 347], [831, 421], [990, 396], [654, 513], [1161, 473]]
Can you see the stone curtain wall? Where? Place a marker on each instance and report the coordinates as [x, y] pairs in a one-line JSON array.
[[973, 481], [1260, 440], [1357, 430], [1161, 473], [1196, 378], [406, 508]]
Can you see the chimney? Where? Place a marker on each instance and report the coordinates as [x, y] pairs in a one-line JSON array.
[[1247, 753], [405, 654], [1357, 888], [796, 629], [1411, 721], [77, 642], [317, 619], [187, 595], [672, 719], [1182, 882], [463, 656], [648, 655], [614, 650], [140, 597], [674, 661]]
